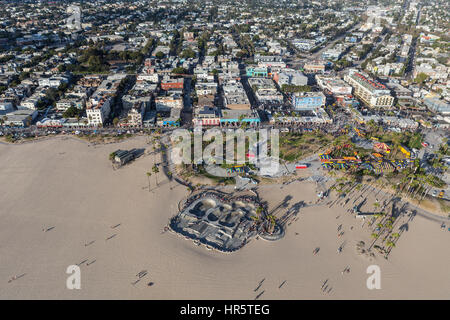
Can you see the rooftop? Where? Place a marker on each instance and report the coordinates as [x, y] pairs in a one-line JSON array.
[[367, 82]]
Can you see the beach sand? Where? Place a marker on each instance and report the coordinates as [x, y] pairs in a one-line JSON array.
[[70, 188]]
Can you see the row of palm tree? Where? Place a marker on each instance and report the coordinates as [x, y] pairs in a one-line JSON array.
[[155, 170]]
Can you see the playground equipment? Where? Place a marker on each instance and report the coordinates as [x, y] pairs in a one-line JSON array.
[[381, 148], [333, 159], [360, 134], [238, 169], [377, 155], [405, 151]]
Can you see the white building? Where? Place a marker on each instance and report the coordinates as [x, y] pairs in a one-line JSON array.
[[98, 109], [370, 91]]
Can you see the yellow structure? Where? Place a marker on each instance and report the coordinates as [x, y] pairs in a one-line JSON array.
[[405, 151]]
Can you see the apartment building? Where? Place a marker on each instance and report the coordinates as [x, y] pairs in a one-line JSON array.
[[53, 82], [167, 83], [370, 91], [65, 103], [150, 77], [136, 114], [98, 109], [166, 103], [205, 88], [130, 100]]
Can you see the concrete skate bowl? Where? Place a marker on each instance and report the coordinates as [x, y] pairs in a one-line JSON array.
[[231, 218], [240, 204], [212, 217], [200, 208]]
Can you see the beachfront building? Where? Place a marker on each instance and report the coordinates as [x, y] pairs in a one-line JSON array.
[[136, 114], [173, 119], [98, 109], [304, 101], [370, 91], [239, 116], [206, 116], [20, 118], [311, 117]]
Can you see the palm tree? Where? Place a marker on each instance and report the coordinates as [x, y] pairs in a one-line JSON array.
[[148, 177], [155, 170], [390, 244]]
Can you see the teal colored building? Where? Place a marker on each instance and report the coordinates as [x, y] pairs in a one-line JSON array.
[[256, 72]]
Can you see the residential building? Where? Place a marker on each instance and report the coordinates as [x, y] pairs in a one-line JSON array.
[[98, 109], [370, 91], [136, 114], [166, 103]]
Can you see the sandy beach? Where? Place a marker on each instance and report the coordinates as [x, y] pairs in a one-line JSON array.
[[63, 204]]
